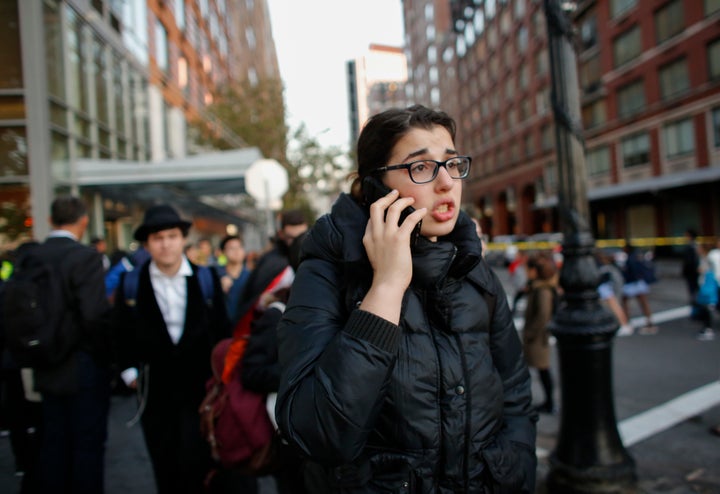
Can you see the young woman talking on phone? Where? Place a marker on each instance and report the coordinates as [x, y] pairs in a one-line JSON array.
[[401, 367]]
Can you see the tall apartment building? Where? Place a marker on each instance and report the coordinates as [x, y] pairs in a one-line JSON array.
[[376, 81], [97, 98], [650, 93]]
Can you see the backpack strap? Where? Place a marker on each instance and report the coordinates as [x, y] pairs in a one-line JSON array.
[[207, 285], [130, 286]]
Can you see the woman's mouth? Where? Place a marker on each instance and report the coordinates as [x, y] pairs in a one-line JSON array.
[[443, 212]]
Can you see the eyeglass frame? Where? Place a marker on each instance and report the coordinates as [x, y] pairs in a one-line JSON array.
[[408, 166]]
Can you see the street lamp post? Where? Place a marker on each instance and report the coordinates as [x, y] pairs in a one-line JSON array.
[[589, 456]]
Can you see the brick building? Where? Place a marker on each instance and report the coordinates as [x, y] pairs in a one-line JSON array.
[[650, 96]]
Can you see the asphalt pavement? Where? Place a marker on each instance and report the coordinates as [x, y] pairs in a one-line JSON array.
[[666, 397]]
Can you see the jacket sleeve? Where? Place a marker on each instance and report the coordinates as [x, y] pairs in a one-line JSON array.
[[124, 324], [519, 417], [260, 367], [335, 367]]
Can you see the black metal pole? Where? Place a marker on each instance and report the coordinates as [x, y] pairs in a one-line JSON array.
[[589, 456]]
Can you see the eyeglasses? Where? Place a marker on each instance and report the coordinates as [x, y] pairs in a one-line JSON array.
[[424, 171]]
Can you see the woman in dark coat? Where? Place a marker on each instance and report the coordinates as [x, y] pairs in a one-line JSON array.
[[401, 369]]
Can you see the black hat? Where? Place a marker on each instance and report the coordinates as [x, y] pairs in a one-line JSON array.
[[160, 217]]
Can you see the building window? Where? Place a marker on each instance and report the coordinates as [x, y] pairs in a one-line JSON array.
[[594, 114], [618, 7], [715, 115], [631, 99], [53, 59], [523, 77], [669, 21], [13, 152], [598, 161], [522, 39], [490, 9], [588, 32], [161, 48], [529, 145], [636, 150], [102, 77], [250, 37], [541, 62], [479, 22], [679, 138], [547, 139], [674, 79], [627, 46], [714, 59], [180, 14], [590, 74], [711, 6]]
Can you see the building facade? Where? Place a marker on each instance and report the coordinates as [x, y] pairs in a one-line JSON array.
[[104, 83], [649, 73], [376, 81]]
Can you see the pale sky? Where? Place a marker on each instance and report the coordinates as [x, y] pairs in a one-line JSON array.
[[314, 39]]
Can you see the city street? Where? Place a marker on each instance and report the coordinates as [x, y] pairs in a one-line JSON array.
[[667, 396]]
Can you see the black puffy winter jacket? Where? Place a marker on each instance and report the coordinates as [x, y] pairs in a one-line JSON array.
[[439, 404]]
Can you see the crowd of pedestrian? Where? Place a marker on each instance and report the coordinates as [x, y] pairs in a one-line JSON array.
[[147, 322], [381, 340]]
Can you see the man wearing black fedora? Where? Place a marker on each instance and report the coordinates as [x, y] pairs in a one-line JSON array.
[[170, 313]]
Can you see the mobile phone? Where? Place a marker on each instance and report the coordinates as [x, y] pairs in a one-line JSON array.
[[373, 189]]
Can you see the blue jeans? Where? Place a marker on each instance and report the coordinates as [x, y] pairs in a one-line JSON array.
[[72, 451]]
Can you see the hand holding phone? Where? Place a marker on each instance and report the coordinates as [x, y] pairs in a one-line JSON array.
[[373, 189]]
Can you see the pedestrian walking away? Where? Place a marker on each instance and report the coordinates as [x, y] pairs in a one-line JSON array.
[[691, 264], [401, 368], [637, 286], [75, 385]]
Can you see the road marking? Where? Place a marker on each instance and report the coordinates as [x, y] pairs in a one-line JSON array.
[[663, 417], [662, 316], [637, 322], [643, 425]]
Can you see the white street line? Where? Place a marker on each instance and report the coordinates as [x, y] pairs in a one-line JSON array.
[[662, 316], [665, 416], [660, 418]]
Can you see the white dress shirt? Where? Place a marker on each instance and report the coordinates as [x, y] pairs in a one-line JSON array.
[[171, 296]]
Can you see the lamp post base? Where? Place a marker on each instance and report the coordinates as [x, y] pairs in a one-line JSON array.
[[589, 457]]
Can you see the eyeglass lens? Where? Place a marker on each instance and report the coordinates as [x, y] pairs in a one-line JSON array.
[[425, 171]]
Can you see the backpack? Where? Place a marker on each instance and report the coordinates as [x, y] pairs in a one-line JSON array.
[[39, 331], [646, 270], [132, 279], [235, 422]]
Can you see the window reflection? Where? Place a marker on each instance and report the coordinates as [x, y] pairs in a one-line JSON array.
[[54, 50], [13, 152], [11, 73]]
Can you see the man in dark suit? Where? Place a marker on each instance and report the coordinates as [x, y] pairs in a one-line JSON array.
[[168, 330], [292, 225], [75, 393]]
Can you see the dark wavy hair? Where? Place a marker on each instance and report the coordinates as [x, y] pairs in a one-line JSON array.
[[382, 131]]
